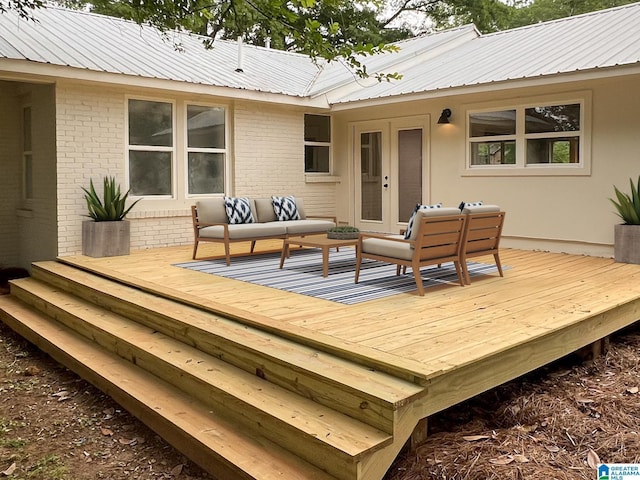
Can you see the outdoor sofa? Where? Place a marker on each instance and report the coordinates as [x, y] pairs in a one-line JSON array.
[[239, 219]]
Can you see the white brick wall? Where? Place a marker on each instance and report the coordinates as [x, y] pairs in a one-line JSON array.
[[90, 138], [269, 156], [266, 155]]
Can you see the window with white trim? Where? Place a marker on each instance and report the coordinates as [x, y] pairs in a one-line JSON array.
[[151, 148], [206, 150], [527, 136], [317, 143]]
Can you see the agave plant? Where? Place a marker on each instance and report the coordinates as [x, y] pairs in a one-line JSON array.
[[628, 206], [112, 207]]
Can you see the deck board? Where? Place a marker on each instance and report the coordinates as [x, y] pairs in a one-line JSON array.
[[542, 297]]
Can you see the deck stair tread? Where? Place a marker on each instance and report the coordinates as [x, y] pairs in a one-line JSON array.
[[296, 422], [211, 439], [376, 359], [326, 378]]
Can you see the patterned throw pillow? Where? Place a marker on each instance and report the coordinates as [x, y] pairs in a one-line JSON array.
[[238, 210], [407, 233], [285, 208], [464, 205]]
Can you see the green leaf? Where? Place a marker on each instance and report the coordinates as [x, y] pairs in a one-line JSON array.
[[112, 205], [628, 206]]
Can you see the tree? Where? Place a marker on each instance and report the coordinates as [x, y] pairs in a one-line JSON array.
[[24, 8], [428, 15], [545, 10]]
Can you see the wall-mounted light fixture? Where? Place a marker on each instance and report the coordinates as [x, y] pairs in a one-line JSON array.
[[444, 116]]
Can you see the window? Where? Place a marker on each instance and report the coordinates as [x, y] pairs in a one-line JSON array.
[[493, 137], [317, 143], [528, 136], [553, 134], [151, 148], [206, 150]]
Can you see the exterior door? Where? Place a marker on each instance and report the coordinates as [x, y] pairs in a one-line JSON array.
[[390, 169]]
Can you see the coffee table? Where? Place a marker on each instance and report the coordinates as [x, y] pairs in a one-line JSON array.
[[316, 241]]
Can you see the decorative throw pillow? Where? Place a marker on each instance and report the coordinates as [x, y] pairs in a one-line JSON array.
[[285, 208], [238, 210], [463, 205], [407, 233]]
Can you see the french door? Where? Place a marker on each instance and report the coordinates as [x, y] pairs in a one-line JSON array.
[[390, 161]]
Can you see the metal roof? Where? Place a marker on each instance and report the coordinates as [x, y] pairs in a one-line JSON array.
[[459, 57], [597, 40], [106, 44]]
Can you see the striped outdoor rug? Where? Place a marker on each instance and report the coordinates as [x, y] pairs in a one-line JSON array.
[[302, 273]]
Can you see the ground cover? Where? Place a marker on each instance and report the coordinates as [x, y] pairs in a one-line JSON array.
[[553, 424]]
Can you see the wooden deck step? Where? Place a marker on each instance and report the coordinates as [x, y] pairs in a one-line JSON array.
[[219, 445], [363, 393], [308, 429]]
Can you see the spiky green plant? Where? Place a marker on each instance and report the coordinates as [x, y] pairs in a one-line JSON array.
[[112, 206], [628, 206]]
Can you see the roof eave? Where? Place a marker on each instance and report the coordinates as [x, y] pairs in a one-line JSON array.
[[25, 70], [555, 79]]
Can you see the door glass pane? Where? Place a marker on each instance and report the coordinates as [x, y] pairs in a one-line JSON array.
[[409, 172], [206, 173], [371, 175], [205, 127]]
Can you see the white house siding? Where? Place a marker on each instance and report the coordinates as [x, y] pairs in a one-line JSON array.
[[558, 213], [90, 142], [10, 165], [269, 156], [266, 157]]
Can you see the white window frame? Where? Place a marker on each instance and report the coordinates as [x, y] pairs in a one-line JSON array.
[[187, 149], [153, 148], [521, 167], [318, 144]]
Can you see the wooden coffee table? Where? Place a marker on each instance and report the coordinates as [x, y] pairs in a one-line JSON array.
[[316, 241]]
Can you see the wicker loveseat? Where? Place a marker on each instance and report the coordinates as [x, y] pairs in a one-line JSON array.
[[211, 223]]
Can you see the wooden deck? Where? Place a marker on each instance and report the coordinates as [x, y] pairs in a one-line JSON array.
[[377, 369], [454, 342]]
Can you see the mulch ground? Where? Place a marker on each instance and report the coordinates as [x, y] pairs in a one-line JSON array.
[[556, 423]]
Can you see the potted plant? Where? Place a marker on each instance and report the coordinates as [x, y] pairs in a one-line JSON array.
[[344, 232], [107, 234], [627, 235]]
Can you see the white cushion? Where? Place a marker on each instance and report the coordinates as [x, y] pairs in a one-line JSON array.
[[212, 211], [300, 227], [387, 248], [481, 209]]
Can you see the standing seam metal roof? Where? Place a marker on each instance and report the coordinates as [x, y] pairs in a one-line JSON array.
[[596, 40], [454, 58], [105, 44]]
